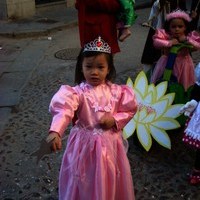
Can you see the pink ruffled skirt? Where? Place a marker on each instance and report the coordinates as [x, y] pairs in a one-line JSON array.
[[95, 167], [183, 69]]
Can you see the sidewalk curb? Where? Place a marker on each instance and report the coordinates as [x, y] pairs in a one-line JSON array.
[[43, 32], [55, 27]]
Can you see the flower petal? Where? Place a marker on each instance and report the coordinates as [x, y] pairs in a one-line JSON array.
[[141, 83], [144, 137], [142, 114], [161, 88], [138, 95], [173, 111], [160, 107], [161, 137], [149, 98], [129, 82], [149, 118], [166, 123], [129, 129], [152, 89]]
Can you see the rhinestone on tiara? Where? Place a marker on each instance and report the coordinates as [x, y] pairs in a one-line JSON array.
[[97, 45]]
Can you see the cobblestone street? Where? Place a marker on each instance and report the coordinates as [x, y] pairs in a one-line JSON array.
[[159, 174]]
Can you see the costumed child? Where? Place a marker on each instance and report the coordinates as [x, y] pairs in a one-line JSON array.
[[156, 20], [95, 164], [192, 131], [126, 17], [175, 33]]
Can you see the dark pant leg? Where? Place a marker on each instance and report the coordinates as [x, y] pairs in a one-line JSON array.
[[197, 160], [194, 22]]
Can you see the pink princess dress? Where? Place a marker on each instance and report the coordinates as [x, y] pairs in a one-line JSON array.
[[95, 165], [183, 68]]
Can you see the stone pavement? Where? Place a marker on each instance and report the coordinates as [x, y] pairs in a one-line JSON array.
[[29, 76], [45, 22]]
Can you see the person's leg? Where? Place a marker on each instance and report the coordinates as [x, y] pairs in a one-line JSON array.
[[125, 32], [197, 160], [194, 22], [195, 176]]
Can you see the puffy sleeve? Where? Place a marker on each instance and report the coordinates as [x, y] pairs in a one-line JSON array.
[[62, 107], [193, 38], [127, 107], [161, 39]]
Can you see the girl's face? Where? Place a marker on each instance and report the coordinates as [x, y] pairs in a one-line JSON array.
[[95, 69], [177, 28]]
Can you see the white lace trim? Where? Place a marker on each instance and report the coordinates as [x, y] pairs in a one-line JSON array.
[[95, 131], [192, 134], [94, 100]]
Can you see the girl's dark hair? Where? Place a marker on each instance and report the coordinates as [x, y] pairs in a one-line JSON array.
[[167, 25], [79, 77]]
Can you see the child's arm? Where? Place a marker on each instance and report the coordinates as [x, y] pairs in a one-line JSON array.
[[189, 108], [162, 39], [193, 38], [62, 107], [127, 108]]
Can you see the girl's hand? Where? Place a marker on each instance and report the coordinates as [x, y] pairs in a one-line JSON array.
[[193, 14], [189, 107], [55, 140], [107, 122], [174, 41]]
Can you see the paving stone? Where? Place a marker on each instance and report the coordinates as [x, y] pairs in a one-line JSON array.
[[4, 66], [5, 114], [12, 81], [9, 98]]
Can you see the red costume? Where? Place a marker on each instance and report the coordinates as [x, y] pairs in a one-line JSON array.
[[98, 18]]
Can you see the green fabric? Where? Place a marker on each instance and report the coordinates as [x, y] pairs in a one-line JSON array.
[[175, 49], [167, 74], [127, 14]]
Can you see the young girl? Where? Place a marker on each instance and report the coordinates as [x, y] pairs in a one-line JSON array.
[[176, 32], [126, 17], [159, 10], [94, 165], [192, 131]]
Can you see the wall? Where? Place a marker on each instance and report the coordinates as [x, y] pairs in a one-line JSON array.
[[15, 9], [3, 9], [20, 9]]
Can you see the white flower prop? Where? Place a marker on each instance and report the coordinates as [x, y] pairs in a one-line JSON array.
[[155, 114]]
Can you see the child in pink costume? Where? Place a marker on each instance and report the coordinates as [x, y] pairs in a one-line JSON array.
[[175, 32], [95, 165]]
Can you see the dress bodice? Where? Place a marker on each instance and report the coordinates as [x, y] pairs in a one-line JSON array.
[[91, 103]]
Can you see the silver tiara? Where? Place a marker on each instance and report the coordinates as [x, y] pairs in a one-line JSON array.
[[97, 45]]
